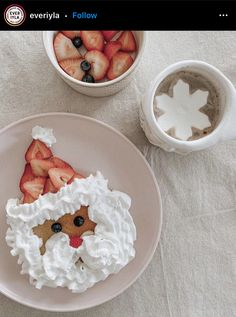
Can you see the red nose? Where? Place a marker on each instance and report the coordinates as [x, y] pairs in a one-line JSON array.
[[75, 241]]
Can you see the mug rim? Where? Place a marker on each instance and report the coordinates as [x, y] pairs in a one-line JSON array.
[[53, 60], [163, 74]]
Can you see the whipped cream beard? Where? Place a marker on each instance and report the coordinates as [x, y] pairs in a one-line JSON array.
[[105, 252], [210, 107]]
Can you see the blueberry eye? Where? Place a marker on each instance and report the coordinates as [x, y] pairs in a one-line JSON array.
[[78, 221], [56, 227]]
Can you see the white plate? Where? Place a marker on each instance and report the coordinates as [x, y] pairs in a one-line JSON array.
[[88, 145]]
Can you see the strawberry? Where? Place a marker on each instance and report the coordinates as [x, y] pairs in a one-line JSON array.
[[27, 199], [64, 48], [34, 187], [60, 176], [37, 150], [49, 187], [27, 176], [99, 64], [127, 41], [112, 48], [76, 175], [108, 35], [92, 40], [59, 162], [71, 34], [120, 62], [41, 167], [75, 241], [72, 67]]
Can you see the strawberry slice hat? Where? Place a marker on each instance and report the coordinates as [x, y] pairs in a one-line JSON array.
[[43, 171]]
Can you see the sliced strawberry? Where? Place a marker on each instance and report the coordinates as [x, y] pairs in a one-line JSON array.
[[127, 41], [108, 35], [112, 48], [27, 176], [59, 162], [92, 40], [35, 187], [49, 187], [60, 176], [99, 64], [37, 150], [41, 167], [120, 63], [71, 34], [72, 67], [64, 48], [27, 199], [76, 175]]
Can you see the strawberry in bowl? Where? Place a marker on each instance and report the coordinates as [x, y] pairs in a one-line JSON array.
[[95, 63], [95, 56]]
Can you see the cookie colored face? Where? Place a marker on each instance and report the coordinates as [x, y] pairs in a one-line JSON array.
[[73, 225]]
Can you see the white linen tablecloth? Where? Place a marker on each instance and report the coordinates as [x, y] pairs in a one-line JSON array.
[[193, 272]]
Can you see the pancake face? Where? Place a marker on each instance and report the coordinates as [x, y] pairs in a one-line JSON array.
[[73, 225]]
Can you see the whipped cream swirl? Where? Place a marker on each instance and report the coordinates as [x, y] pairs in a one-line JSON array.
[[44, 134], [107, 251]]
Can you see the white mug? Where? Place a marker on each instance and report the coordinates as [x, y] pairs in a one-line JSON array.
[[226, 127]]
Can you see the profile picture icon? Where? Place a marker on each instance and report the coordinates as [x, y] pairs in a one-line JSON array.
[[14, 15]]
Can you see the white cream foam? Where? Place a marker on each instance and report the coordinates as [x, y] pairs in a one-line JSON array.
[[44, 134], [182, 111], [106, 252]]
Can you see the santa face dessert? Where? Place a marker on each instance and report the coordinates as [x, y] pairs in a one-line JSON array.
[[67, 230]]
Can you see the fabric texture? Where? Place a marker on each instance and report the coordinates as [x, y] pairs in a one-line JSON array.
[[193, 271]]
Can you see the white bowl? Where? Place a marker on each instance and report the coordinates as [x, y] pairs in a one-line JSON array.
[[95, 89]]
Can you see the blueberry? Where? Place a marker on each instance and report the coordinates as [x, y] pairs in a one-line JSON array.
[[56, 227], [85, 66], [78, 221], [88, 78], [77, 42]]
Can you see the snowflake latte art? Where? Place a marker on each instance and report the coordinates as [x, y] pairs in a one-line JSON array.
[[186, 106]]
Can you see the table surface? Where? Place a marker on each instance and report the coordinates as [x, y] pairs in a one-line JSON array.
[[193, 272]]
